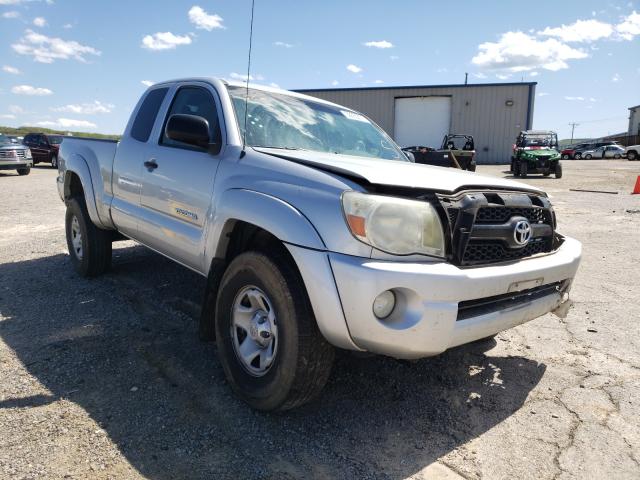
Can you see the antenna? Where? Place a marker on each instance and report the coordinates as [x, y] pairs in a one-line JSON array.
[[246, 97]]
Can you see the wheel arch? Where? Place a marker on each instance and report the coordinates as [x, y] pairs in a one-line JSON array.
[[77, 181]]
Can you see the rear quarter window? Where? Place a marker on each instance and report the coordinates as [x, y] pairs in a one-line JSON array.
[[143, 124]]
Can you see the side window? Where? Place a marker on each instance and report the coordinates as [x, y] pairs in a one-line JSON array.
[[193, 101], [27, 140], [147, 113]]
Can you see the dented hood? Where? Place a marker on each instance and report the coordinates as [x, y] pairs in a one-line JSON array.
[[396, 173]]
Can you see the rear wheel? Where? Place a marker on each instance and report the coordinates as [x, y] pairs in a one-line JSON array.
[[558, 170], [588, 156], [565, 156], [24, 171], [271, 350], [89, 246], [632, 155], [578, 156]]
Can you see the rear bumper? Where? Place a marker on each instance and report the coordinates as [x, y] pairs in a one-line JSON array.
[[426, 320], [15, 164]]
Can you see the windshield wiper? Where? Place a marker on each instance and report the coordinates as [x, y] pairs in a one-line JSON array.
[[277, 148]]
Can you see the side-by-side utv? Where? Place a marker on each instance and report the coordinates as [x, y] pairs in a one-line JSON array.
[[536, 151]]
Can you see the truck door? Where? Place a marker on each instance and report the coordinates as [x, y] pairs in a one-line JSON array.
[[132, 151], [177, 182]]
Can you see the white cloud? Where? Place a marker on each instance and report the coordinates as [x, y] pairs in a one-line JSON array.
[[629, 27], [11, 70], [503, 76], [203, 20], [534, 74], [164, 41], [16, 109], [479, 75], [394, 57], [378, 44], [378, 81], [591, 99], [9, 116], [45, 49], [66, 123], [335, 83], [29, 90], [615, 78], [580, 31], [574, 99], [147, 83], [11, 14], [274, 85], [517, 52], [86, 108], [543, 94], [283, 44], [39, 21], [354, 68], [67, 26], [442, 70], [243, 77]]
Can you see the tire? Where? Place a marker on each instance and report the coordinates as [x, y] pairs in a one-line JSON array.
[[524, 167], [547, 173], [512, 168], [632, 155], [578, 156], [472, 167], [54, 161], [565, 156], [24, 171], [558, 170], [301, 358], [588, 156], [91, 253]]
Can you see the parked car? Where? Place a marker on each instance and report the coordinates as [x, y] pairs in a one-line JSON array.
[[569, 153], [608, 151], [44, 147], [14, 156], [632, 152], [579, 154], [457, 151], [315, 231], [536, 151]]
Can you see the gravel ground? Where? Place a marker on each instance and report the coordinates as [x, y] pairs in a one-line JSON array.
[[106, 378]]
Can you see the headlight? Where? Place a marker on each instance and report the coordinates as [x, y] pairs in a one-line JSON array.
[[28, 153], [394, 225]]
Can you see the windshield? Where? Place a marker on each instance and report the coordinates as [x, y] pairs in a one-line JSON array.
[[4, 140], [55, 139], [538, 141], [284, 121]]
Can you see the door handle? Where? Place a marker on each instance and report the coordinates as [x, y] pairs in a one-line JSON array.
[[151, 164]]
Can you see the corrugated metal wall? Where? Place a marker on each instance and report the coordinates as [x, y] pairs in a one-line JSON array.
[[479, 110]]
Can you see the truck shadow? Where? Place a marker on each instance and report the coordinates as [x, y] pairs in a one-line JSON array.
[[124, 347]]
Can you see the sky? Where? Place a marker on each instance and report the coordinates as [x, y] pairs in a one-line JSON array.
[[82, 65]]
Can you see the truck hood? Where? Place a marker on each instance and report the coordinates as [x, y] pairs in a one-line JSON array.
[[10, 146], [396, 173]]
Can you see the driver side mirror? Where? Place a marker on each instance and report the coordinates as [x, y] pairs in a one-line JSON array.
[[190, 129]]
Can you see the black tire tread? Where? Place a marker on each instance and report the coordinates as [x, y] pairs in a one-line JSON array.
[[99, 247]]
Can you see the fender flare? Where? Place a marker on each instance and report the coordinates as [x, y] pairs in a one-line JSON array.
[[76, 165], [281, 219]]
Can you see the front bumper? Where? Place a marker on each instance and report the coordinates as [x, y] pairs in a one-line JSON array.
[[425, 321], [15, 164]]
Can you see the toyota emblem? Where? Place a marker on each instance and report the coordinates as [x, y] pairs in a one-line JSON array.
[[522, 232]]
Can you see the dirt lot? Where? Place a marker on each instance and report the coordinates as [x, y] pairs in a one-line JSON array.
[[107, 378]]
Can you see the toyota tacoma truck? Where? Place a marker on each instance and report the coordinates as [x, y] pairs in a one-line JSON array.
[[314, 230]]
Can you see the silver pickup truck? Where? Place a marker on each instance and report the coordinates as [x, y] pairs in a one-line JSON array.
[[314, 230]]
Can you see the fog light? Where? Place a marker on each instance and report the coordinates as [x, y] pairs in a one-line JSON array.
[[384, 304]]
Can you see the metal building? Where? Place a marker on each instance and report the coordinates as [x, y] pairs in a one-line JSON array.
[[494, 113]]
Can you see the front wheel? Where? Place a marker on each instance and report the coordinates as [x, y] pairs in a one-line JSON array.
[[632, 155], [271, 350], [524, 167], [24, 171], [588, 156], [558, 170], [89, 246], [578, 156], [565, 156]]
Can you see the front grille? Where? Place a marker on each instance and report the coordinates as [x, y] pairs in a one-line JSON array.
[[12, 154], [502, 214], [482, 306], [481, 226], [487, 252]]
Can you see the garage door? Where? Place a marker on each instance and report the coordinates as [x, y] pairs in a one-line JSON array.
[[421, 120]]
